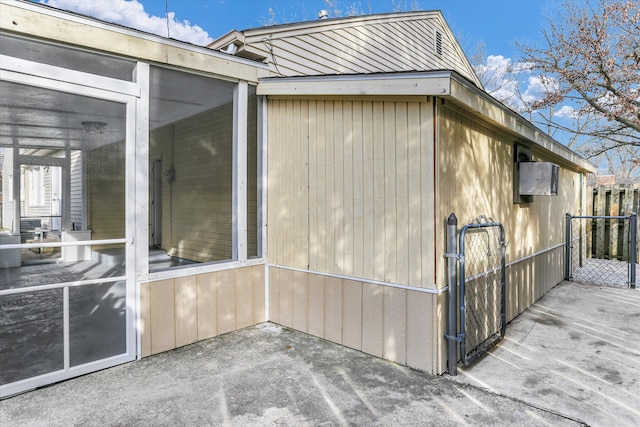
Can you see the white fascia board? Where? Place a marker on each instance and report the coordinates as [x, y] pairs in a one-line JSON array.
[[115, 28], [234, 36], [403, 84], [469, 96]]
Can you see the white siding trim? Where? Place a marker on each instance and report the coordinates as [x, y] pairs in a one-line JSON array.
[[130, 32], [267, 312], [423, 84], [141, 77], [66, 75], [363, 280], [533, 255], [190, 270], [130, 227], [240, 105], [262, 176]]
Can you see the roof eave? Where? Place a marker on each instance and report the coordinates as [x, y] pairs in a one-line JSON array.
[[444, 84], [495, 112], [234, 36]]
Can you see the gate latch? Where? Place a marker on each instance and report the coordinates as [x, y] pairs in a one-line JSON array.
[[457, 338], [459, 257]]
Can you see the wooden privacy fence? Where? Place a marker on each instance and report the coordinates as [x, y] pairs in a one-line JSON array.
[[609, 236]]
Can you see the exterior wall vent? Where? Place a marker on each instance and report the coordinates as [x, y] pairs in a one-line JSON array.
[[539, 178], [438, 43]]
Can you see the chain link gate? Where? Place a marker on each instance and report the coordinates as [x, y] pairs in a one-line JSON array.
[[479, 290], [602, 250]]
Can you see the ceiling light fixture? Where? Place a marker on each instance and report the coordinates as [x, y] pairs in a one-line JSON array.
[[94, 127]]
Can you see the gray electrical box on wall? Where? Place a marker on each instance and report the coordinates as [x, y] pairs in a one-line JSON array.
[[539, 178]]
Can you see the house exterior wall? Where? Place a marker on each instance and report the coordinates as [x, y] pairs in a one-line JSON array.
[[351, 188], [193, 227], [351, 216], [181, 311], [359, 194], [393, 323], [77, 214], [385, 43], [7, 192], [475, 177], [106, 169]]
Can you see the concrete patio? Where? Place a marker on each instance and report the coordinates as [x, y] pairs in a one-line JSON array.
[[576, 351], [572, 359]]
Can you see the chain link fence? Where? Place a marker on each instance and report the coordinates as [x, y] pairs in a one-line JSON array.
[[602, 250], [480, 289]]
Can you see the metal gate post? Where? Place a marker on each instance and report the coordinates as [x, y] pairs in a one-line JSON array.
[[452, 264], [633, 236], [503, 287], [567, 248]]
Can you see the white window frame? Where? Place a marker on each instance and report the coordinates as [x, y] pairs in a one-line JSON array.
[[239, 177], [37, 190]]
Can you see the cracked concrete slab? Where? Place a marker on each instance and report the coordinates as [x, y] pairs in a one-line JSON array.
[[575, 351], [265, 376]]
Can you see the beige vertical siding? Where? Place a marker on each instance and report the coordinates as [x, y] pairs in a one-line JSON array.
[[252, 178], [6, 221], [106, 169], [177, 312], [77, 190], [397, 324], [199, 149], [528, 280], [351, 188], [475, 177]]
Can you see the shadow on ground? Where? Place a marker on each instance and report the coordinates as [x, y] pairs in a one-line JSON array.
[[265, 376], [576, 351]]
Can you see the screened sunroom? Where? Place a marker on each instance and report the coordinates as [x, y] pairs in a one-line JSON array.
[[126, 160]]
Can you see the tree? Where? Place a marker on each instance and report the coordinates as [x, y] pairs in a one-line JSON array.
[[590, 61]]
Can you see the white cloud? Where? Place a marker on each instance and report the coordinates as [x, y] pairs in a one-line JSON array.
[[131, 13], [566, 112], [538, 87], [501, 78], [513, 83]]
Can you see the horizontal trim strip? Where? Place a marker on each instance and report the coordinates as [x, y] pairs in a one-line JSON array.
[[195, 269], [64, 244], [359, 279], [559, 245], [75, 284]]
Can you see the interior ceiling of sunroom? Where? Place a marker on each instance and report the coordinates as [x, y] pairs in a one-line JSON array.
[[37, 117]]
